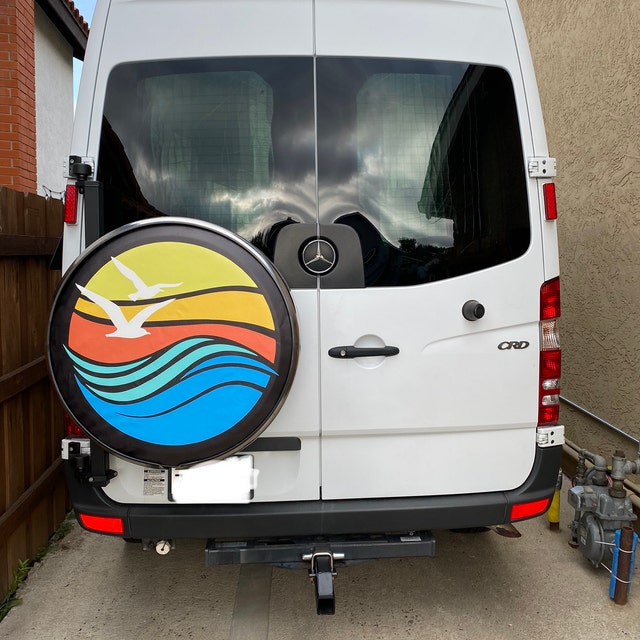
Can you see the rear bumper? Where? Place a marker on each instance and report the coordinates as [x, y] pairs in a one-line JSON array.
[[318, 517]]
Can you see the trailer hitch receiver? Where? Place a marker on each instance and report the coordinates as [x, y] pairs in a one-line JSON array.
[[322, 573]]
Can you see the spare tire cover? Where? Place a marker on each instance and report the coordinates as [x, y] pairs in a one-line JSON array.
[[172, 341]]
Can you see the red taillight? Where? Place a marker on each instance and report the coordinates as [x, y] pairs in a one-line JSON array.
[[550, 365], [550, 299], [71, 204], [529, 509], [73, 430], [550, 358], [102, 524], [548, 414], [550, 207]]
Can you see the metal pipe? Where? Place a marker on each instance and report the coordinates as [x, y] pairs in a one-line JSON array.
[[570, 451], [623, 574], [604, 423], [600, 465]]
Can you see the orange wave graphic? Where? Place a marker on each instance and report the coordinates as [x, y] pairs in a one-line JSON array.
[[88, 339], [228, 306]]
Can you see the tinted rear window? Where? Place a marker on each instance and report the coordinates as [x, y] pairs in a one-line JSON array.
[[423, 159]]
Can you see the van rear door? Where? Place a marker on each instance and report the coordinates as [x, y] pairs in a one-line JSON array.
[[426, 161], [217, 126]]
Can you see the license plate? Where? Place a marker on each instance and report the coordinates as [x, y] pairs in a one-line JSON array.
[[221, 481]]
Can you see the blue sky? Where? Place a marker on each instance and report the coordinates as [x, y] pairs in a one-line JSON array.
[[85, 7]]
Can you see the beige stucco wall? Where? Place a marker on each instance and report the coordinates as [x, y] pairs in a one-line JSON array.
[[587, 59]]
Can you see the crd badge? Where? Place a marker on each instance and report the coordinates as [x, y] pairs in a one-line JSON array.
[[522, 344]]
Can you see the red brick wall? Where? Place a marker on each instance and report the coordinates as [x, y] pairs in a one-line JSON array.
[[17, 96]]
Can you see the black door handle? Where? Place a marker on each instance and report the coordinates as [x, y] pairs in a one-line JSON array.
[[362, 352]]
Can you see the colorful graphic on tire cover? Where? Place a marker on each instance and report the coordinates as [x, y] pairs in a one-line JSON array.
[[172, 344]]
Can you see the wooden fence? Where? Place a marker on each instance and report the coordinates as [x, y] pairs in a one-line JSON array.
[[33, 498]]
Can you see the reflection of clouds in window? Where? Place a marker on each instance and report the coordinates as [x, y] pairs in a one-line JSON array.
[[398, 116], [338, 199], [257, 209], [147, 174], [210, 139]]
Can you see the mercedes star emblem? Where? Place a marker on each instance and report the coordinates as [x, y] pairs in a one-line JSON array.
[[319, 256]]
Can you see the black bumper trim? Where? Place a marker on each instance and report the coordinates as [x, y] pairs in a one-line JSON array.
[[319, 517], [290, 552]]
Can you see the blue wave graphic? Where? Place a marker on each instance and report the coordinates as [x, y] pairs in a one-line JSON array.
[[191, 391]]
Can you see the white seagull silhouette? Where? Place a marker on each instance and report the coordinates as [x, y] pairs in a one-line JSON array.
[[124, 328], [142, 290]]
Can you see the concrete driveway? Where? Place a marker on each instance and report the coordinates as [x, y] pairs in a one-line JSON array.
[[479, 586]]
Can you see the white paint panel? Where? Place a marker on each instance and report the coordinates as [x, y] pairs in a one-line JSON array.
[[289, 475], [400, 465], [283, 475], [54, 104], [200, 28], [478, 32], [294, 475], [449, 382]]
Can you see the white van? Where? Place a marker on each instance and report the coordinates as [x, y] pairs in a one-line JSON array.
[[311, 277]]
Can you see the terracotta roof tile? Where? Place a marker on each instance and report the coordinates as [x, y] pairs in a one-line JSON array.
[[78, 16]]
